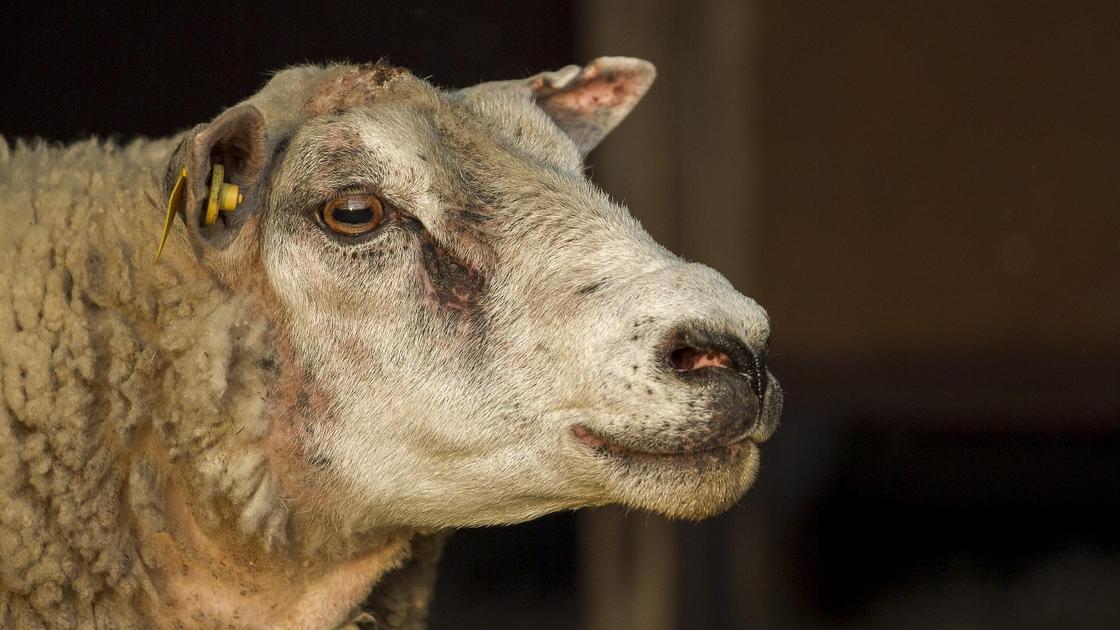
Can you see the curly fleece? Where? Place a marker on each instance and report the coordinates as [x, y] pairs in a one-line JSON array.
[[112, 372]]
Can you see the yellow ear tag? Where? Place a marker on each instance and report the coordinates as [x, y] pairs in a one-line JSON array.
[[223, 196], [174, 200]]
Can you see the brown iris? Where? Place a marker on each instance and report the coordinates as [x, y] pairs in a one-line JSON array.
[[352, 215]]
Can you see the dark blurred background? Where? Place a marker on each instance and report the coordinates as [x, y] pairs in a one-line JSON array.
[[924, 195]]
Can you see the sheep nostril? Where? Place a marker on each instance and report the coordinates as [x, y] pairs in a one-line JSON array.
[[695, 348], [686, 359]]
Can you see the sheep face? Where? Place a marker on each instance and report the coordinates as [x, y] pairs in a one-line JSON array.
[[472, 333]]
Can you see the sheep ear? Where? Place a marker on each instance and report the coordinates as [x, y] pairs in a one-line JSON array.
[[216, 213], [587, 103]]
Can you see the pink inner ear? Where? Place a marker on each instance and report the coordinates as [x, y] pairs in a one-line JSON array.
[[593, 90], [587, 103], [597, 93]]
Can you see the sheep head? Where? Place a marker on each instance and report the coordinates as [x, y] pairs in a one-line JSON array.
[[467, 331]]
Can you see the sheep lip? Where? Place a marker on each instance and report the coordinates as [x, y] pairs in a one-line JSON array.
[[599, 443]]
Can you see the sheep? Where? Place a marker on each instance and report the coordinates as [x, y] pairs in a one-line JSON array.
[[394, 311]]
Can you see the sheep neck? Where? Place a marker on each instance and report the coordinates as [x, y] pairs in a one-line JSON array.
[[208, 580], [241, 537]]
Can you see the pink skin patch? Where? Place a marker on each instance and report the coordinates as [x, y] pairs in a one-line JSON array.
[[585, 436], [354, 87]]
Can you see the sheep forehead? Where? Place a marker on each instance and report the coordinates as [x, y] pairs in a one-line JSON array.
[[426, 150], [386, 150], [303, 93], [351, 86]]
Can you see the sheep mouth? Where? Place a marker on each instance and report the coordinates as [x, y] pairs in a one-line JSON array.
[[605, 446]]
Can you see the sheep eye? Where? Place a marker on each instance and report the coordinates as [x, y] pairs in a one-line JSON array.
[[352, 215]]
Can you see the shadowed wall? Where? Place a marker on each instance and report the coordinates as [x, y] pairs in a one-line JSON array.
[[925, 198]]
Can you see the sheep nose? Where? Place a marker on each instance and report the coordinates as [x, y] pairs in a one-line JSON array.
[[699, 354]]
